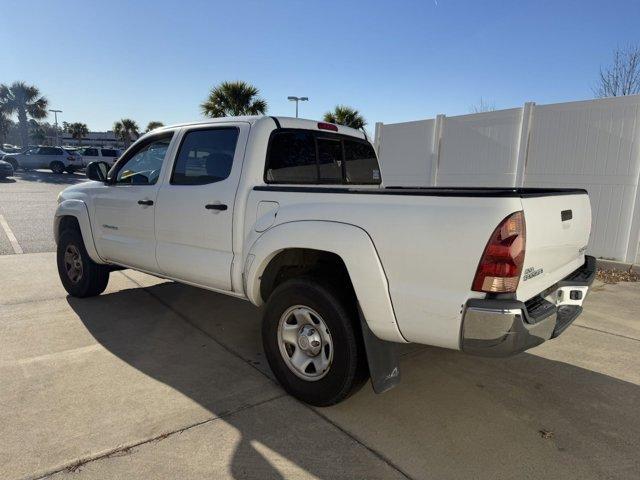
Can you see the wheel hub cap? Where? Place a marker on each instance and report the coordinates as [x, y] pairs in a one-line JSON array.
[[305, 343], [73, 263]]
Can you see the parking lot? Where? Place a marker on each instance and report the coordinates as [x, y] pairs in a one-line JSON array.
[[27, 204], [154, 379]]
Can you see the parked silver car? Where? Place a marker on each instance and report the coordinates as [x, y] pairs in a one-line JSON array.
[[57, 159]]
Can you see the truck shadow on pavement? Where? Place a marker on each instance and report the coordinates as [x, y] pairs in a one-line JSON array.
[[453, 416]]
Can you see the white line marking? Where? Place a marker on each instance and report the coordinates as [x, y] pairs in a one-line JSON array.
[[12, 238]]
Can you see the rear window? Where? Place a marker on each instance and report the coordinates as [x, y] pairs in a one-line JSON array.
[[361, 164], [292, 158], [329, 160], [303, 156]]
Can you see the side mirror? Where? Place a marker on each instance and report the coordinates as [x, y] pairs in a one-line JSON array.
[[97, 171]]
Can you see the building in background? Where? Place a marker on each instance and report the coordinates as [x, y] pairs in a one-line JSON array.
[[92, 139]]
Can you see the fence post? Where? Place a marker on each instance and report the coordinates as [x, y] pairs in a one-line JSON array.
[[523, 143], [633, 242], [377, 137], [438, 127]]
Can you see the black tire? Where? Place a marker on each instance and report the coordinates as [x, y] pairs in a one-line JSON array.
[[94, 277], [70, 170], [348, 370], [57, 167]]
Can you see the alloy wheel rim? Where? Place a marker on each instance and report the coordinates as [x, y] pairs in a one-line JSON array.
[[73, 263], [305, 343]]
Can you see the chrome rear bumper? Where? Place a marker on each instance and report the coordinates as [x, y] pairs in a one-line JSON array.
[[504, 327]]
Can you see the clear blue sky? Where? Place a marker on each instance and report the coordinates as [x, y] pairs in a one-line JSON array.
[[393, 60]]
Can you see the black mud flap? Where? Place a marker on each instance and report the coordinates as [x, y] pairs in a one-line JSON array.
[[382, 357]]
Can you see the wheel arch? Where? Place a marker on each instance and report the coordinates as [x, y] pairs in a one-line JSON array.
[[346, 248], [73, 213]]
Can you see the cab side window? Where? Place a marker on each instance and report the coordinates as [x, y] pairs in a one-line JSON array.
[[144, 164], [205, 156]]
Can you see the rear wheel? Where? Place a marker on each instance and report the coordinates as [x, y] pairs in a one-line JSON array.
[[80, 276], [312, 343], [57, 167]]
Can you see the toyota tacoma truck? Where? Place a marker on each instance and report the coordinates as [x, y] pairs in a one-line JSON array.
[[293, 215]]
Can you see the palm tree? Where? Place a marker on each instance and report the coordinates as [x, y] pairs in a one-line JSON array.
[[5, 126], [26, 101], [126, 130], [233, 99], [37, 133], [347, 116], [78, 130], [153, 125]]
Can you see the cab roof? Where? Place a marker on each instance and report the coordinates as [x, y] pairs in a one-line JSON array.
[[278, 122]]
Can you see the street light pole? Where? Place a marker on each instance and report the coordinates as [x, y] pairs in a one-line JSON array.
[[55, 115], [298, 99]]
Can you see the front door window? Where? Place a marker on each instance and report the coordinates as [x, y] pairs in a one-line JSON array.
[[143, 168]]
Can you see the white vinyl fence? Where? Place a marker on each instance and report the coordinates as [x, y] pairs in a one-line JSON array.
[[593, 144]]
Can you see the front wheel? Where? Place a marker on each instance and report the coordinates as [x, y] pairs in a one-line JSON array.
[[311, 342], [80, 276]]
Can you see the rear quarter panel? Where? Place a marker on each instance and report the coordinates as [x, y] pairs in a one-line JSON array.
[[429, 248]]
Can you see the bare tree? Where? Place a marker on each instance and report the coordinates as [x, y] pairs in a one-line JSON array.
[[622, 77], [482, 107]]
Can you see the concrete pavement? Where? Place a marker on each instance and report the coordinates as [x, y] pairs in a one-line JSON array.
[[27, 203], [158, 380]]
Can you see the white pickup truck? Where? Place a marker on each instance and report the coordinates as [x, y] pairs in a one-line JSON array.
[[293, 214]]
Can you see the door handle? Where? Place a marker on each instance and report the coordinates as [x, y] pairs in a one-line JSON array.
[[215, 206], [145, 202]]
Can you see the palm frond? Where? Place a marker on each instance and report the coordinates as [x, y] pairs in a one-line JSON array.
[[233, 99]]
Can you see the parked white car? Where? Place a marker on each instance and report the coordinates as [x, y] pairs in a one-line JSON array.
[[55, 158], [99, 154], [291, 213]]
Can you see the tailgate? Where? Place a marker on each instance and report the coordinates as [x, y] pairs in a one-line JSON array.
[[558, 228]]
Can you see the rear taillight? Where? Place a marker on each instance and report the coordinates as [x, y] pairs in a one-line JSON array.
[[501, 263]]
